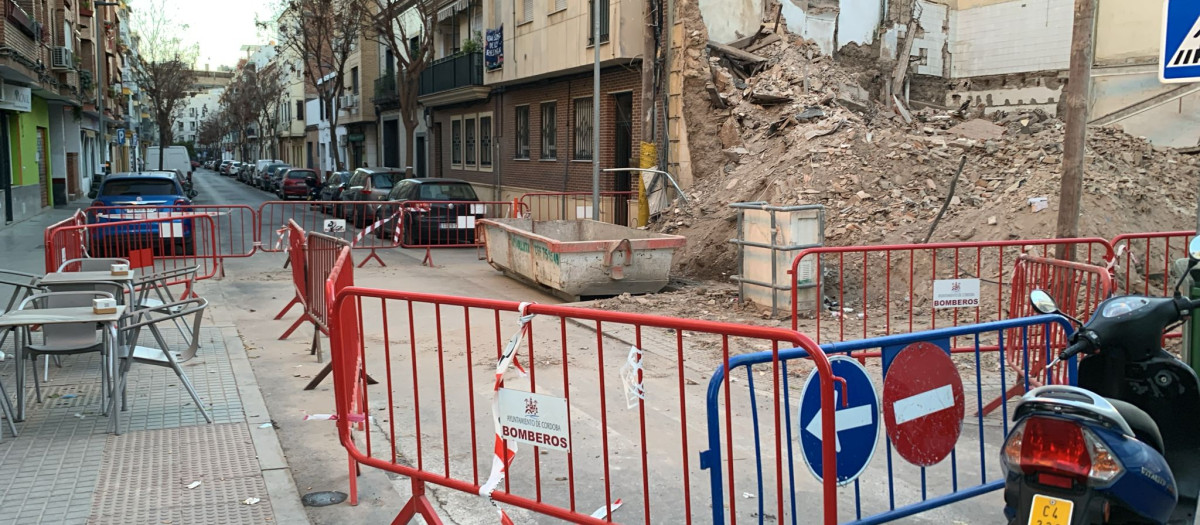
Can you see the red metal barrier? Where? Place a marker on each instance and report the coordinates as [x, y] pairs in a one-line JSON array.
[[172, 243], [236, 224], [613, 420], [66, 249], [350, 221], [297, 255], [570, 205], [1142, 261], [440, 224], [1076, 288], [870, 291]]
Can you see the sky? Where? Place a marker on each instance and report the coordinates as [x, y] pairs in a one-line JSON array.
[[220, 27]]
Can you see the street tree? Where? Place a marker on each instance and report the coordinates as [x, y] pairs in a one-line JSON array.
[[323, 33], [163, 69], [406, 28]]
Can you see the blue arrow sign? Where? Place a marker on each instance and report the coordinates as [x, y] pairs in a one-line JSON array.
[[1180, 59], [856, 422]]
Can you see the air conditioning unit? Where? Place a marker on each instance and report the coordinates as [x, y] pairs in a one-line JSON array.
[[62, 58], [342, 140], [347, 101]]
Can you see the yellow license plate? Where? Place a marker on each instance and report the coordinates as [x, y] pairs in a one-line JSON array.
[[1050, 511]]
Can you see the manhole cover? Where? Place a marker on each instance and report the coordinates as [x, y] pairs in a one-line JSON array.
[[323, 499]]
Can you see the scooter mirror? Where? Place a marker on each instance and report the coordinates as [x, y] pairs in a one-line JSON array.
[[1194, 250], [1042, 302]]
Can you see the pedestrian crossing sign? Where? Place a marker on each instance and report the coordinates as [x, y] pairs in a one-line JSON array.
[[1180, 58]]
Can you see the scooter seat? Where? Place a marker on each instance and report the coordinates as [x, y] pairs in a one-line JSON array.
[[1144, 428]]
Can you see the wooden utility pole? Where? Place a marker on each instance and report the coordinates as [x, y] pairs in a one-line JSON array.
[[1075, 136], [647, 151]]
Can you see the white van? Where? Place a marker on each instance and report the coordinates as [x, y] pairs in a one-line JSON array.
[[176, 158]]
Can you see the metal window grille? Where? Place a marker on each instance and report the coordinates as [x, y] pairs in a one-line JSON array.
[[469, 125], [583, 129], [522, 132], [485, 142], [603, 20], [549, 130], [456, 142]]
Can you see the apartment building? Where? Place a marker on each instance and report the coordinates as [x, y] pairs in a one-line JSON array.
[[508, 100], [50, 99], [356, 133], [291, 131]]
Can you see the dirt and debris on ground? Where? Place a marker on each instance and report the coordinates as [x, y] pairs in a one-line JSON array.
[[797, 127]]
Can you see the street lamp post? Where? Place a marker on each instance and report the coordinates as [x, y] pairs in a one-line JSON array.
[[100, 79]]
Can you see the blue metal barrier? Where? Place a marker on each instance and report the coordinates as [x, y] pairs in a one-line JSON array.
[[984, 338]]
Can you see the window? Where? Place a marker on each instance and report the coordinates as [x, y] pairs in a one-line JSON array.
[[522, 132], [603, 20], [414, 49], [485, 142], [583, 128], [299, 110], [469, 128], [381, 180], [549, 131], [354, 80], [527, 11], [456, 142], [559, 5], [447, 191]]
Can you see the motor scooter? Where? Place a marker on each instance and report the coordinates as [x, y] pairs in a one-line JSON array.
[[1124, 445]]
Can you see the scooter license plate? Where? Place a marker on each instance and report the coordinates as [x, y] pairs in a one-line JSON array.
[[1050, 511]]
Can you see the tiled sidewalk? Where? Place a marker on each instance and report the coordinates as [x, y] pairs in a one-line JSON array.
[[65, 468]]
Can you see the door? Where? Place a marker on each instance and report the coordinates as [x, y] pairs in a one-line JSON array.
[[391, 143], [420, 155], [623, 151], [309, 165], [43, 165]]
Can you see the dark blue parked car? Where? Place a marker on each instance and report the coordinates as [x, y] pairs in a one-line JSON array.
[[140, 196]]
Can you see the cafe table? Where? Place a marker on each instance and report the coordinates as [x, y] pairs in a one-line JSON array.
[[23, 319]]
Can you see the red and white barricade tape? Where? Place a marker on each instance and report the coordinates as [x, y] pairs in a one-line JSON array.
[[502, 454], [376, 225]]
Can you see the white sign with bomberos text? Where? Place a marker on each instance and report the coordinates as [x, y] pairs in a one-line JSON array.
[[956, 293], [536, 419]]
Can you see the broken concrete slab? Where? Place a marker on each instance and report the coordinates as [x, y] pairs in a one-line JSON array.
[[978, 129]]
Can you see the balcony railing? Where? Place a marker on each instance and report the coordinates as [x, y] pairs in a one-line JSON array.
[[452, 72], [385, 89]]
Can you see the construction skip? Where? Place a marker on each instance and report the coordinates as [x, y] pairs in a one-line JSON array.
[[580, 258]]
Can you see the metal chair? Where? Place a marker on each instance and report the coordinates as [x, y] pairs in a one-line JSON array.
[[67, 338], [113, 289], [90, 264], [23, 285], [163, 356], [160, 283]]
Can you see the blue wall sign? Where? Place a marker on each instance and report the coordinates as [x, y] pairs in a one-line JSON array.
[[1180, 59]]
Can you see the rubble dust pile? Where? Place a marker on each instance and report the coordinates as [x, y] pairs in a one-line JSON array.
[[800, 129]]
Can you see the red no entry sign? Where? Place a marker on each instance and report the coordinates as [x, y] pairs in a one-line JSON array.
[[923, 404]]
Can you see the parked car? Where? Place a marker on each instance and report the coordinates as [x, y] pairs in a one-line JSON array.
[[261, 164], [433, 211], [246, 173], [293, 183], [231, 168], [262, 179], [332, 190], [140, 195], [273, 173], [368, 184]]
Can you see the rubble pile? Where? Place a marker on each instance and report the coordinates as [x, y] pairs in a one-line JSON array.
[[796, 128]]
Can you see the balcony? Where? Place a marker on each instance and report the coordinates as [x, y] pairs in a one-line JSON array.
[[385, 90], [453, 79]]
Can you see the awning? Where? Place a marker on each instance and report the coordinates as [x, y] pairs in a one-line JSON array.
[[453, 9]]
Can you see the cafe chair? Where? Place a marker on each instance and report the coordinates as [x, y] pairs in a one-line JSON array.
[[23, 285], [112, 289], [190, 311], [67, 338], [90, 264]]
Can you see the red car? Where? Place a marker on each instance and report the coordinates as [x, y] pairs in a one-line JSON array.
[[294, 183]]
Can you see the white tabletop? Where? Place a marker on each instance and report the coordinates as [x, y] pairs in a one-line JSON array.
[[75, 277], [77, 314]]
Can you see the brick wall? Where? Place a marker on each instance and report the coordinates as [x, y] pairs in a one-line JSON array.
[[539, 173]]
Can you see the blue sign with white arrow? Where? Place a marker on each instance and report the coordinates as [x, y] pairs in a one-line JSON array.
[[856, 422], [1180, 60]]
